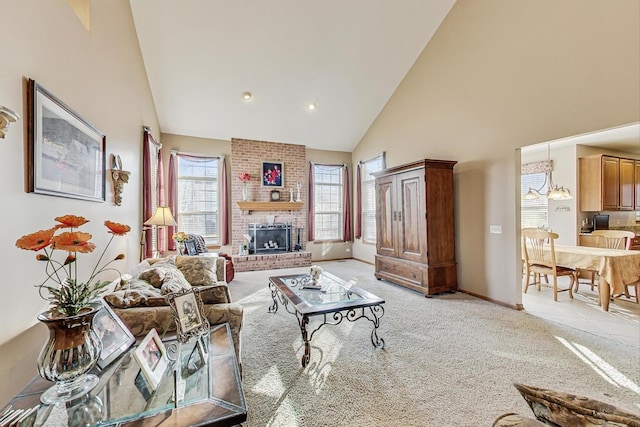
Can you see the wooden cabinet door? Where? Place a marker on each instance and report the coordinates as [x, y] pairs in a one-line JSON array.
[[637, 185], [627, 185], [385, 227], [411, 215], [610, 183]]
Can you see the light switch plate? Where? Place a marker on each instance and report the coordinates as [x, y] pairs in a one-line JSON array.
[[495, 229]]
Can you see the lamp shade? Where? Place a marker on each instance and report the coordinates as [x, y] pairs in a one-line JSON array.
[[162, 216]]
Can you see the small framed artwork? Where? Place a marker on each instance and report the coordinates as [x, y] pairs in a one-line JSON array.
[[115, 337], [66, 154], [187, 308], [190, 247], [151, 355], [273, 174]]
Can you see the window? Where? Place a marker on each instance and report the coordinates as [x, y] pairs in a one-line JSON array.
[[198, 204], [368, 186], [328, 188], [533, 213]]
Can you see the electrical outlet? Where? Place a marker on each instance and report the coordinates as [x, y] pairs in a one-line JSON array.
[[495, 229]]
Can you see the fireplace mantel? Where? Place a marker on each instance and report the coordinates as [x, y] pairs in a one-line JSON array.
[[270, 206]]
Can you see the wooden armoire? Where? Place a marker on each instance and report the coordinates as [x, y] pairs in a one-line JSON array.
[[415, 226]]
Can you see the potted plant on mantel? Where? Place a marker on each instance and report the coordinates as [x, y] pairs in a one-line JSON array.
[[72, 348]]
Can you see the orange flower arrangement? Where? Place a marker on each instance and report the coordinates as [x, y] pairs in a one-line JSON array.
[[69, 296]]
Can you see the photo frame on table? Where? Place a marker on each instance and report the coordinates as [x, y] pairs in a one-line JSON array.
[[116, 338], [151, 355], [273, 174], [190, 247], [188, 313], [66, 153]]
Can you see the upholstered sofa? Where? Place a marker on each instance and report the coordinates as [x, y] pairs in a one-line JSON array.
[[556, 408], [139, 300]]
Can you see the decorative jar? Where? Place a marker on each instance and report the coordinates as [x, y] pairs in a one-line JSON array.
[[72, 350]]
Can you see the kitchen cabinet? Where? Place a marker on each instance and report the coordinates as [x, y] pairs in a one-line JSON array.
[[415, 226], [607, 183]]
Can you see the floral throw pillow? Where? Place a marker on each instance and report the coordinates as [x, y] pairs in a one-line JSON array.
[[564, 409]]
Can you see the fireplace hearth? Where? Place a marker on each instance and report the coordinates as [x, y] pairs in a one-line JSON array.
[[270, 238]]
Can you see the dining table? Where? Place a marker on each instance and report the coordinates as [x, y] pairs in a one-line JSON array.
[[615, 267]]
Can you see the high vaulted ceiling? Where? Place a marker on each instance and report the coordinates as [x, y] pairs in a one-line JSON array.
[[345, 56]]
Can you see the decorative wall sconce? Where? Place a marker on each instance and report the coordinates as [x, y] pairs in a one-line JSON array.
[[119, 178], [7, 117]]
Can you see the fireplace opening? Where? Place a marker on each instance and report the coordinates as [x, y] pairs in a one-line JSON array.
[[270, 238]]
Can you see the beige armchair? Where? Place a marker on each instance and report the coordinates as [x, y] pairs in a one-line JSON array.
[[141, 305]]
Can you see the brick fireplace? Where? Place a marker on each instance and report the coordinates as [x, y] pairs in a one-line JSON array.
[[247, 156]]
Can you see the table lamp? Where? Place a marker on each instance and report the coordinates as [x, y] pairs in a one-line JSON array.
[[162, 217]]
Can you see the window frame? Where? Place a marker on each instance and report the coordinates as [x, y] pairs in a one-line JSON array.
[[214, 239], [365, 173], [534, 176], [339, 169]]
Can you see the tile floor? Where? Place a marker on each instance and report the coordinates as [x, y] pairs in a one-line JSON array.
[[621, 322]]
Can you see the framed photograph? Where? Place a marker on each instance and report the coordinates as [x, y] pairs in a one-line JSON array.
[[187, 309], [151, 355], [190, 247], [273, 174], [66, 153], [115, 337]]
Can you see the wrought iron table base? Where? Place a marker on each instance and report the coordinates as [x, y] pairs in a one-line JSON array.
[[372, 313]]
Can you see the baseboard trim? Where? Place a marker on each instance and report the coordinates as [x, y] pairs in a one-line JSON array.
[[502, 303]]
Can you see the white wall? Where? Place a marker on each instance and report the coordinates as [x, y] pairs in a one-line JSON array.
[[100, 75], [499, 75]]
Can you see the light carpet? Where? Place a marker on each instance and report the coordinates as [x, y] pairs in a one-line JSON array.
[[450, 360]]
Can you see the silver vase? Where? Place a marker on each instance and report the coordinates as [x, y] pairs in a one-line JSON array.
[[70, 353]]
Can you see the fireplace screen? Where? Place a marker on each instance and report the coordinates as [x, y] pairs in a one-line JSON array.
[[269, 238]]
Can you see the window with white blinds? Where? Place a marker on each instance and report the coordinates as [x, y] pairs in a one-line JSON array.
[[198, 204], [328, 190], [369, 196], [533, 213]]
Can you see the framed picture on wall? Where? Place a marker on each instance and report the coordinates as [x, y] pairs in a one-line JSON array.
[[273, 174], [66, 153]]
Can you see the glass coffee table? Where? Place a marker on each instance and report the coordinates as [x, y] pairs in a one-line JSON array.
[[335, 301], [209, 391]]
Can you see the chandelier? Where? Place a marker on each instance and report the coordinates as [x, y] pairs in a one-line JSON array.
[[554, 192]]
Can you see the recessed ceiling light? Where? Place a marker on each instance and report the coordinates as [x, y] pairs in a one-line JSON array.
[[246, 96], [311, 106]]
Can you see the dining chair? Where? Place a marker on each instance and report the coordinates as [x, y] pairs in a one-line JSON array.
[[613, 239], [539, 254]]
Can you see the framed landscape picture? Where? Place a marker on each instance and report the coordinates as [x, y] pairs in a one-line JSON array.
[[66, 153], [273, 174]]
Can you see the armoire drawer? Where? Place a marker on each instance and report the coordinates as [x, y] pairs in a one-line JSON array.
[[404, 270]]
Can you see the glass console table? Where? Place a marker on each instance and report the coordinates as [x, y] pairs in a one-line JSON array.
[[209, 392]]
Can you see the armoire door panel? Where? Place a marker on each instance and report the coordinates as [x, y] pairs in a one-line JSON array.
[[411, 232], [385, 226]]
